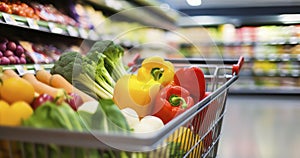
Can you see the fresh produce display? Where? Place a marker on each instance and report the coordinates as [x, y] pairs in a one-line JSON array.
[[11, 52], [38, 11], [18, 8], [48, 12], [94, 92], [41, 53], [32, 93]]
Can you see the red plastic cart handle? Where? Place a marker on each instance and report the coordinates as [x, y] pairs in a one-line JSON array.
[[236, 67], [134, 60]]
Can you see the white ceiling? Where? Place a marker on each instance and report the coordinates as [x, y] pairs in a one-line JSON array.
[[182, 4]]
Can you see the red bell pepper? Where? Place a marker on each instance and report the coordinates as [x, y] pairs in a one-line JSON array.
[[192, 79], [171, 101]]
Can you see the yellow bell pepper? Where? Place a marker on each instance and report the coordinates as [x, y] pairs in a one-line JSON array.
[[157, 69], [133, 93], [138, 91]]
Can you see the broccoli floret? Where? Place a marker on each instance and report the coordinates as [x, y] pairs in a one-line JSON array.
[[98, 71], [74, 68], [65, 65], [113, 57]]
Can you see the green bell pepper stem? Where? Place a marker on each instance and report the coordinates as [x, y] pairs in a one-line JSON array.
[[157, 73], [176, 101]]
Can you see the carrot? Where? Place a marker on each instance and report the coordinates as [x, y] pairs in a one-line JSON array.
[[43, 76], [41, 87], [9, 73], [58, 81]]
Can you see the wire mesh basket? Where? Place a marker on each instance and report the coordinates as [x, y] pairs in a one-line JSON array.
[[194, 133]]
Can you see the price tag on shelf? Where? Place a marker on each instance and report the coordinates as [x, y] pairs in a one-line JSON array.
[[72, 31], [8, 18], [21, 69], [33, 23], [54, 28], [38, 67], [93, 35], [83, 33]]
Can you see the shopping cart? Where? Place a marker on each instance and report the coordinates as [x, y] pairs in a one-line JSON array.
[[194, 133]]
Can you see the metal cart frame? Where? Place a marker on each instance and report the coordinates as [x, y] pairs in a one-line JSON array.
[[198, 129]]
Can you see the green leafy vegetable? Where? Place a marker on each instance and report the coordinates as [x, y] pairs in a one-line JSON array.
[[105, 116], [113, 60], [97, 72], [50, 115]]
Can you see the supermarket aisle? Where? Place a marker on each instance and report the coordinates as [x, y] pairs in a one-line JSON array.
[[261, 127]]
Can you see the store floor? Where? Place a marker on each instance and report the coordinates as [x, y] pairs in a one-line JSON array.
[[261, 127]]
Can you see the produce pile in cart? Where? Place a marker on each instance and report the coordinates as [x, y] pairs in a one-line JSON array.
[[97, 92]]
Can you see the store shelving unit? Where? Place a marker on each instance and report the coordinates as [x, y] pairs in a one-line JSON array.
[[18, 27], [134, 11], [279, 54]]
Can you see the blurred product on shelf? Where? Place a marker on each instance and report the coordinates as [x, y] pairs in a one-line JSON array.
[[272, 53], [88, 17], [18, 8], [48, 12], [13, 52], [68, 15]]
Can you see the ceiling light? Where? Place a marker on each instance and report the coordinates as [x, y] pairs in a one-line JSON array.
[[194, 2]]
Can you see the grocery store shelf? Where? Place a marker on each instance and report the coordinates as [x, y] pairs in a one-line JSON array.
[[49, 27], [26, 68], [164, 16], [135, 11], [265, 91], [249, 20], [280, 14], [293, 41]]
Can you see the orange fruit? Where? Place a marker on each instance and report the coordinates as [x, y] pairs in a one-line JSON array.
[[16, 89]]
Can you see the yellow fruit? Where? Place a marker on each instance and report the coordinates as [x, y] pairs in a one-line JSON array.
[[3, 106], [22, 108], [16, 89], [187, 140], [17, 112]]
